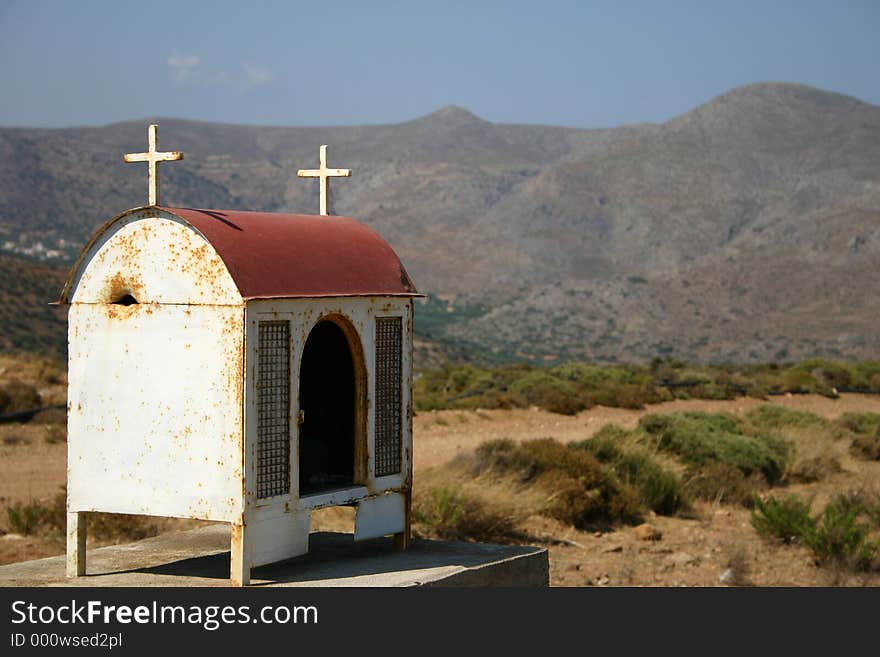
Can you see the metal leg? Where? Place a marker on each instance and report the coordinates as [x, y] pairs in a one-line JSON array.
[[402, 540], [240, 563], [76, 544]]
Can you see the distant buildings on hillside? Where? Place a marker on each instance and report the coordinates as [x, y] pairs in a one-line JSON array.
[[38, 250]]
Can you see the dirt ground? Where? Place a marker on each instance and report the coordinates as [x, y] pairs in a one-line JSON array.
[[716, 546]]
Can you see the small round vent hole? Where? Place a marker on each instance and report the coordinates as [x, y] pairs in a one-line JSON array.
[[127, 300]]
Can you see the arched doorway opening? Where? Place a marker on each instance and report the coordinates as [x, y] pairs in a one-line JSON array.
[[329, 394]]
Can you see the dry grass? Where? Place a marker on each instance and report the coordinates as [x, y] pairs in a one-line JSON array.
[[47, 377], [818, 445], [449, 502], [722, 483], [46, 519]]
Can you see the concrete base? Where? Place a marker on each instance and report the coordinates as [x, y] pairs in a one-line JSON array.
[[200, 557]]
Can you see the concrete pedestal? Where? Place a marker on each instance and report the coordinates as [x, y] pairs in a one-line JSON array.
[[200, 557]]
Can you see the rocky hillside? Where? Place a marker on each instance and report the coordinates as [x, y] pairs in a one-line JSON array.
[[27, 321], [747, 229]]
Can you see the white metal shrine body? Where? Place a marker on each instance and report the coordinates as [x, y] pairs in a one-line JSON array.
[[239, 367]]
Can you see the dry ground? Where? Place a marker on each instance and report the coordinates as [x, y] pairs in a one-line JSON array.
[[718, 541]]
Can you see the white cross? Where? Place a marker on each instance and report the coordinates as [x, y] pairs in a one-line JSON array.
[[324, 174], [152, 158]]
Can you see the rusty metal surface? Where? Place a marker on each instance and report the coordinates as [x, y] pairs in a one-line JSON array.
[[286, 255], [153, 257], [154, 410], [380, 516], [163, 391], [360, 315], [271, 255]]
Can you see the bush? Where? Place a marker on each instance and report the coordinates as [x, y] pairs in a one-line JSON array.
[[799, 381], [770, 417], [828, 373], [50, 518], [866, 426], [815, 468], [626, 395], [553, 399], [786, 518], [701, 438], [866, 447], [55, 433], [839, 538], [658, 489], [450, 515], [26, 519], [581, 492], [16, 396], [572, 385], [121, 526], [722, 483]]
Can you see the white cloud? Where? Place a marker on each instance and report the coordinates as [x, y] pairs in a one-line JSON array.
[[183, 67], [256, 74]]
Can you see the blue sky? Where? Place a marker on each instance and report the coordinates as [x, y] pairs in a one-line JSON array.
[[584, 64]]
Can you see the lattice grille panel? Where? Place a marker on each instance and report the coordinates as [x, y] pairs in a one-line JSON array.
[[273, 409], [389, 343]]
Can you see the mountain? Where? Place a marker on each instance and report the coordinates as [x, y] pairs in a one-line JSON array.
[[747, 229], [27, 321]]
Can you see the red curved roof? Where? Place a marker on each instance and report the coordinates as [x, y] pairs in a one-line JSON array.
[[296, 255]]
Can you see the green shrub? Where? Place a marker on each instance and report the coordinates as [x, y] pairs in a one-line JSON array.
[[582, 493], [121, 526], [828, 373], [50, 518], [799, 381], [626, 395], [55, 433], [572, 385], [565, 388], [722, 483], [450, 515], [814, 468], [16, 396], [658, 489], [605, 444], [556, 400], [787, 518], [701, 438], [770, 417], [866, 447], [865, 374], [867, 424], [26, 518], [840, 538]]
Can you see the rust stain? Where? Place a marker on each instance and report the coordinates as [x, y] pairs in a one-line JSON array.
[[119, 286], [276, 255]]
